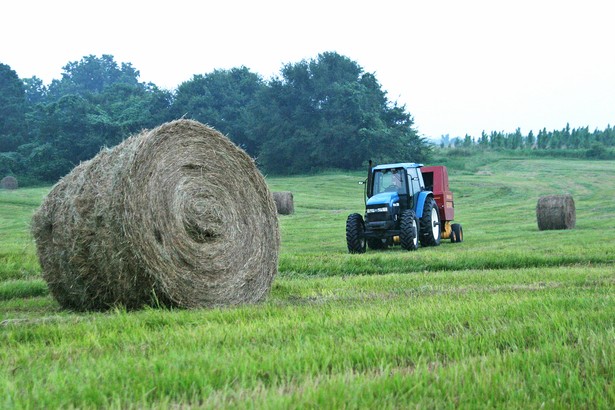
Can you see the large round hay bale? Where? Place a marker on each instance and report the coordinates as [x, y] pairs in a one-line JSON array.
[[176, 216], [9, 182], [284, 202], [556, 212]]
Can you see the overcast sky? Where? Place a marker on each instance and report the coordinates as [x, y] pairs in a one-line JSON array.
[[458, 66]]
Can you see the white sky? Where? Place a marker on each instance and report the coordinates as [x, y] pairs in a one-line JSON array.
[[459, 66]]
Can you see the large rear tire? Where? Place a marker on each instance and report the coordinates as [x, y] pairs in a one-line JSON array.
[[355, 233], [409, 231], [430, 224]]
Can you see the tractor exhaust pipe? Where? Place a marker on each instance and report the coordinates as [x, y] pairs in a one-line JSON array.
[[370, 188]]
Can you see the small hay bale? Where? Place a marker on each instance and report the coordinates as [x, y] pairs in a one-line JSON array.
[[284, 202], [556, 212], [9, 182], [177, 216]]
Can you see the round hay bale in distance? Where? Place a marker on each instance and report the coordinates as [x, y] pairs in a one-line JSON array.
[[9, 182], [556, 212], [284, 202], [177, 216]]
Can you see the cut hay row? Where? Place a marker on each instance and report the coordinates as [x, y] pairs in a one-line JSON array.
[[177, 216]]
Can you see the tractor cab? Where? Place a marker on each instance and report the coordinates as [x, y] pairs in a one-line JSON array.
[[403, 179], [391, 190]]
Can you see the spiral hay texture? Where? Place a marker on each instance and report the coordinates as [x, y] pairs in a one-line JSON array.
[[9, 182], [556, 212], [284, 202], [176, 216]]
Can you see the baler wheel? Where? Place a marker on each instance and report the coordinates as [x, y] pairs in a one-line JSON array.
[[457, 233]]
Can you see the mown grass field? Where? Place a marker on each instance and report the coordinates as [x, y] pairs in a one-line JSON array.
[[511, 318]]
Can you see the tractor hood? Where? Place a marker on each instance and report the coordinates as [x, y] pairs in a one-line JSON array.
[[384, 198]]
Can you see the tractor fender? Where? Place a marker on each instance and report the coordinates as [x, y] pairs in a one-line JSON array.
[[420, 202]]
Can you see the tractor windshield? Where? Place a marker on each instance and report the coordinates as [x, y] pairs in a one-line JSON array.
[[389, 180]]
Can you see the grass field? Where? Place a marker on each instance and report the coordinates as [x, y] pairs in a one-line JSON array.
[[511, 318]]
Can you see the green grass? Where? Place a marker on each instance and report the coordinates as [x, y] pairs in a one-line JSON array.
[[17, 252], [510, 318]]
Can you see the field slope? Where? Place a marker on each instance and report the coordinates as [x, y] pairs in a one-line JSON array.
[[512, 317]]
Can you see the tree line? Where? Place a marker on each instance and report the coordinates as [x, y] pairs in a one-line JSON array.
[[579, 142], [323, 113]]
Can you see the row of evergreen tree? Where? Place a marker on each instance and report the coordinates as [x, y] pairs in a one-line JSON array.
[[320, 113], [594, 144]]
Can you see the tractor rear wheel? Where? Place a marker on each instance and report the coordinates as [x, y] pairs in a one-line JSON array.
[[409, 235], [355, 237], [430, 224], [457, 233]]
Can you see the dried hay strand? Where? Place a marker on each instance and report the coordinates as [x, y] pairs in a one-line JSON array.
[[9, 182], [556, 212], [284, 202], [177, 216]]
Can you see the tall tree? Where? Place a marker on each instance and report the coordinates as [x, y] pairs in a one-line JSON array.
[[36, 91], [329, 113], [542, 141], [516, 139], [91, 75], [224, 100], [12, 110], [96, 103], [530, 140], [125, 109]]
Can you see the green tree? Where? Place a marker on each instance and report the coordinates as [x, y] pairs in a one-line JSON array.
[[36, 91], [125, 109], [609, 136], [542, 141], [92, 75], [12, 110], [329, 113], [530, 140], [223, 99], [96, 103], [483, 141], [516, 139], [70, 127], [445, 141], [496, 140], [555, 140]]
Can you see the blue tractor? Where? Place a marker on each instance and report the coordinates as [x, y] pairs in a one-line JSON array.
[[405, 204]]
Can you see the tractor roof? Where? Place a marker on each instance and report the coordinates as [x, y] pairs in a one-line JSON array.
[[399, 165]]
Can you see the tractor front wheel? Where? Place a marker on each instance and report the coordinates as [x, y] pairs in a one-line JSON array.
[[409, 236], [430, 224], [355, 237]]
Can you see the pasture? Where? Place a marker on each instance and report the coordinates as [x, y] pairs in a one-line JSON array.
[[513, 317]]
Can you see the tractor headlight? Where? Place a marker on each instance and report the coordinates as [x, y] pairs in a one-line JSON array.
[[374, 210]]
